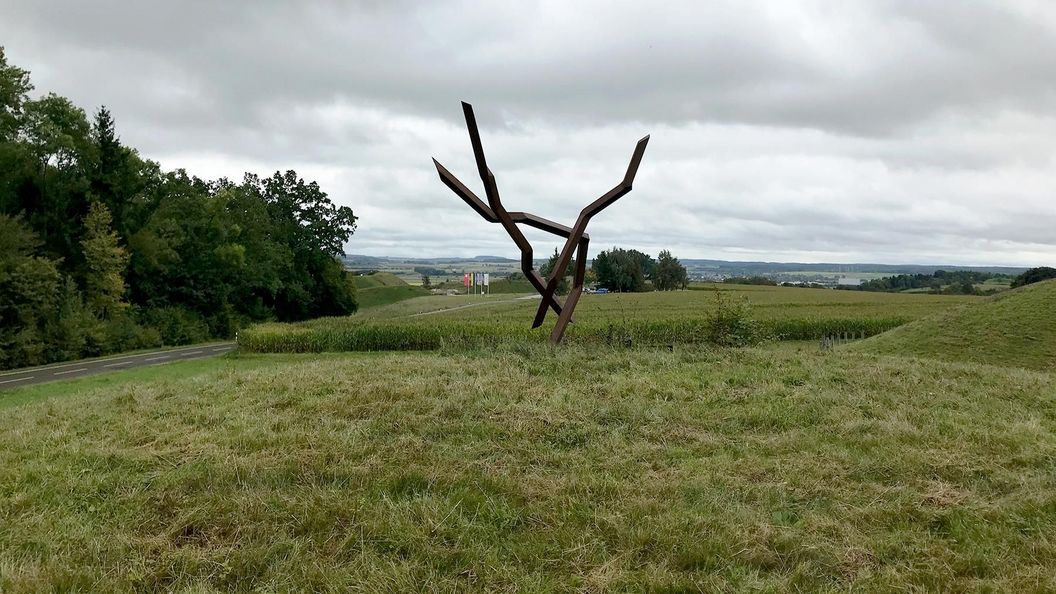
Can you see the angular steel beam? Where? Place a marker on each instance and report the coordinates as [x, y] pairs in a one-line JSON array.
[[576, 238]]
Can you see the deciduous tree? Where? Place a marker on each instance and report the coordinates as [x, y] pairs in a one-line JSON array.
[[670, 273], [620, 270]]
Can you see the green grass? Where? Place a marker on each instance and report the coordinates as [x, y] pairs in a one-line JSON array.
[[767, 303], [533, 470], [502, 286], [497, 286], [657, 318], [377, 279], [116, 380], [1016, 328], [383, 288], [434, 305], [379, 296]]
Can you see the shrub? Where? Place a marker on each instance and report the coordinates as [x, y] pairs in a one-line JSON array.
[[123, 334], [731, 324]]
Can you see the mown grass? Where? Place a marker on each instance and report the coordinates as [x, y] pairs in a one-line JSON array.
[[534, 470], [377, 279], [383, 288], [681, 317], [1016, 328], [504, 286], [386, 295], [114, 381]]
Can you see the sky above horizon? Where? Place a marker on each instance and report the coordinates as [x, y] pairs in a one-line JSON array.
[[810, 131]]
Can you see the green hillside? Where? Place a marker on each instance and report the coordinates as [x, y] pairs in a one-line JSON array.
[[1015, 329], [377, 279], [383, 288]]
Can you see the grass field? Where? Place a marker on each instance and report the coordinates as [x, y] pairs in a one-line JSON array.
[[658, 318], [503, 465], [530, 470], [1016, 328]]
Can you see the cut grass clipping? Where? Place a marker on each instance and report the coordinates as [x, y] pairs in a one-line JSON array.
[[530, 470]]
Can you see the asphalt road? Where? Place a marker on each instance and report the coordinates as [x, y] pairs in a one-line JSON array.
[[74, 369]]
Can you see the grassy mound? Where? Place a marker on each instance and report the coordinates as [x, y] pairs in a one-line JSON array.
[[383, 288], [1016, 329], [504, 286], [528, 470], [377, 279]]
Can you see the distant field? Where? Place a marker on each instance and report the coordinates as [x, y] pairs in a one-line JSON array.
[[1016, 328], [834, 272], [678, 317], [531, 470], [452, 271]]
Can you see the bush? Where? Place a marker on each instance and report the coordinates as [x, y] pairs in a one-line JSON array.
[[124, 334], [731, 324]]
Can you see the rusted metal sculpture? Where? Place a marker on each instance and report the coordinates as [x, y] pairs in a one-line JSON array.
[[576, 238]]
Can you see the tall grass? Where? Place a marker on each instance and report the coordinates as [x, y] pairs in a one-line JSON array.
[[727, 316], [348, 334]]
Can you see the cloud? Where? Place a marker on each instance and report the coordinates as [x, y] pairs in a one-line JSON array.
[[885, 131]]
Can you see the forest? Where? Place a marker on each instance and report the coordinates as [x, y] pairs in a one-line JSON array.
[[958, 282], [102, 251]]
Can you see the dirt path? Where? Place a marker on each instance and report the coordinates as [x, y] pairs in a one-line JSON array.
[[436, 311]]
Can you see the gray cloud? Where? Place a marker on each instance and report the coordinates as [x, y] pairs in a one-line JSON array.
[[886, 130]]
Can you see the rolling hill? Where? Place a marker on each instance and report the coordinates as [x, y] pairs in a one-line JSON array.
[[1014, 329]]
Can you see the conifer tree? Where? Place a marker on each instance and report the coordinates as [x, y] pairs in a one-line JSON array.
[[105, 262]]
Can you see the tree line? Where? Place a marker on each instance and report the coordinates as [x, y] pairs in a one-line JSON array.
[[750, 280], [626, 271], [957, 282], [1034, 275], [102, 251]]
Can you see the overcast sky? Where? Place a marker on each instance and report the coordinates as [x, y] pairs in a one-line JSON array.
[[886, 131]]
